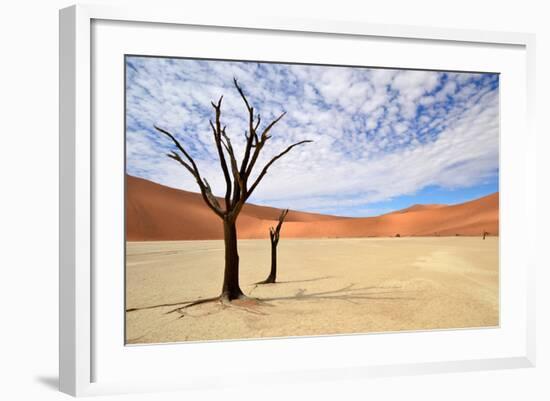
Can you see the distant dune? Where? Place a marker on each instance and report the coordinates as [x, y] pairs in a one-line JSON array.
[[158, 213]]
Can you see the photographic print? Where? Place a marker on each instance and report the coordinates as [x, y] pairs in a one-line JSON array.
[[271, 199]]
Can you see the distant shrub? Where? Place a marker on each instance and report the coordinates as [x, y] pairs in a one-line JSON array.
[[398, 235]]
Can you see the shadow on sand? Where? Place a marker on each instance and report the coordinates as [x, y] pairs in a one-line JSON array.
[[349, 293], [309, 280]]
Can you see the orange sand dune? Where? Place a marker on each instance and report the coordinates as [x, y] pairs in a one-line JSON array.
[[417, 208], [156, 213]]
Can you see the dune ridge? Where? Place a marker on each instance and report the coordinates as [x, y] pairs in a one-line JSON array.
[[158, 213]]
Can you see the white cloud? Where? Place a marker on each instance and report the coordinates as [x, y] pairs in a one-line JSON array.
[[372, 141]]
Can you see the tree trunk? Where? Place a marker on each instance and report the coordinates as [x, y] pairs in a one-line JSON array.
[[273, 273], [231, 289]]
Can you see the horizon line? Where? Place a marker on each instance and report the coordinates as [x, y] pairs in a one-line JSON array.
[[317, 213]]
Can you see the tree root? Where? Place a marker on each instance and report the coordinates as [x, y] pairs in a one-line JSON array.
[[223, 301], [193, 303]]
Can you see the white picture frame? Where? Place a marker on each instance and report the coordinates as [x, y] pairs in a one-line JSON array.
[[78, 194]]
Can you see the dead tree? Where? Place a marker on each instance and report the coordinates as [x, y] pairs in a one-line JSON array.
[[238, 188], [274, 235], [485, 233]]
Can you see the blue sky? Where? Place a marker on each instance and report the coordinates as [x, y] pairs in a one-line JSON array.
[[383, 139]]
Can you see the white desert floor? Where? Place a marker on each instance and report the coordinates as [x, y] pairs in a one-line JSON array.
[[326, 286]]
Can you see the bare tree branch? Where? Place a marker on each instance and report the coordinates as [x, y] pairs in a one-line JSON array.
[[235, 169], [176, 157], [236, 83], [268, 128], [210, 195], [263, 139], [266, 167], [178, 145], [217, 139], [252, 136], [275, 233], [206, 192], [237, 191], [258, 120]]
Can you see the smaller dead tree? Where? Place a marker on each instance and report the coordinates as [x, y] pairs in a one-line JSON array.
[[274, 235], [485, 233]]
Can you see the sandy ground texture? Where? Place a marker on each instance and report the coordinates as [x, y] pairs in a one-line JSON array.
[[326, 286]]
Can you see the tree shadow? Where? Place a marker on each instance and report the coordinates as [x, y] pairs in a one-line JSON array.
[[204, 300], [309, 280], [348, 293], [254, 305]]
